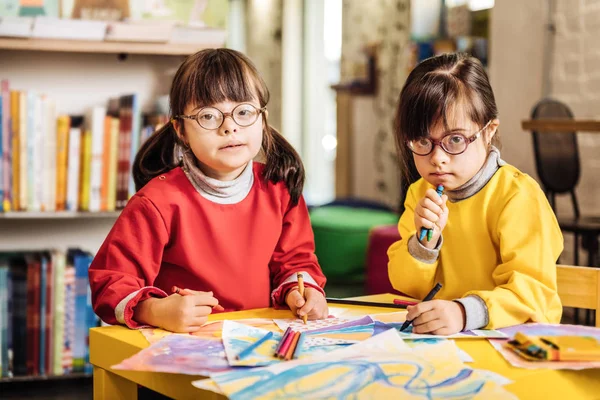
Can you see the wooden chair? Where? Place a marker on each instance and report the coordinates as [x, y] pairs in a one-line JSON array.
[[579, 287]]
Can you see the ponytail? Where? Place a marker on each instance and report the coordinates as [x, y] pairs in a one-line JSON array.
[[155, 157], [283, 163]]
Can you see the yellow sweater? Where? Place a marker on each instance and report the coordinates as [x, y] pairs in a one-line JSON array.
[[500, 244]]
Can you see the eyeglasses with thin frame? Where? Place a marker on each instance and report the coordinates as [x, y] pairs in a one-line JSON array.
[[211, 118], [452, 143]]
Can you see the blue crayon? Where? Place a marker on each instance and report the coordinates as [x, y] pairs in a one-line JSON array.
[[429, 232]]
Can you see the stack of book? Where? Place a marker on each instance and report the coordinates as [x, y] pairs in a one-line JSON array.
[[45, 313], [53, 162]]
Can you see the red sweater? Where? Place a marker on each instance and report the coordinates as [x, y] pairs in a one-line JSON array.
[[169, 234]]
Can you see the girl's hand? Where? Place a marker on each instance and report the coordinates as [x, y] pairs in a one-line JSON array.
[[438, 317], [176, 313], [431, 212], [315, 305]]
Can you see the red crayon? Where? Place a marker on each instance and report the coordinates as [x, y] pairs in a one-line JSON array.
[[186, 292]]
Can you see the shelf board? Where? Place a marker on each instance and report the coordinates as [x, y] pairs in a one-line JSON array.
[[34, 378], [561, 125], [91, 46], [58, 214]]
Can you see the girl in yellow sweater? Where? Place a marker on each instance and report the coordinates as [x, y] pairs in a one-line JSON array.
[[495, 239]]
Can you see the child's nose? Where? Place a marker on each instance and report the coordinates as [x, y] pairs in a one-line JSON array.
[[229, 126], [438, 156]]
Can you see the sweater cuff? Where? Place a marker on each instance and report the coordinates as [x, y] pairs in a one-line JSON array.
[[476, 312], [124, 310], [422, 253], [278, 295]]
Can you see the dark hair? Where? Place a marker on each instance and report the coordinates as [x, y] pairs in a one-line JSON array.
[[430, 92], [212, 76]]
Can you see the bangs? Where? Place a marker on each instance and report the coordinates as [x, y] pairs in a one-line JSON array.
[[221, 76], [437, 98]]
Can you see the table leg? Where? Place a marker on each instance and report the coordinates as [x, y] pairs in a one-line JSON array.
[[111, 386]]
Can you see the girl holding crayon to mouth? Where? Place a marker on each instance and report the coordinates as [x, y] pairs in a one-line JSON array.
[[493, 239]]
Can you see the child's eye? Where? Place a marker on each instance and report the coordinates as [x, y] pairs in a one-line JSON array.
[[455, 139], [423, 142], [207, 116], [245, 112]]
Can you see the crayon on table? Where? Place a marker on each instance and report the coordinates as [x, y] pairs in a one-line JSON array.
[[248, 350]]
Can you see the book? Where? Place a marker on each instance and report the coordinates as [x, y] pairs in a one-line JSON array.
[[12, 26], [96, 147], [69, 29], [49, 154], [62, 150], [139, 31], [73, 163], [6, 154]]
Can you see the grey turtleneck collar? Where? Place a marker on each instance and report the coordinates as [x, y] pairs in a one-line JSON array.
[[221, 192], [477, 182]]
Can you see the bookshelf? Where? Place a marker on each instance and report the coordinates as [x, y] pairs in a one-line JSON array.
[[36, 378], [88, 46], [57, 215]]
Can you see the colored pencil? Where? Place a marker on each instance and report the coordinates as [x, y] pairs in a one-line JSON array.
[[298, 348], [187, 292], [248, 350], [363, 303], [292, 348], [286, 345], [301, 290], [283, 338]]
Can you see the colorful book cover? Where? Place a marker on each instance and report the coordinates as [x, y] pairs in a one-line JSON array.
[[49, 343], [37, 158], [20, 272], [96, 128], [73, 164], [84, 170], [2, 134], [58, 325], [15, 149], [136, 127], [23, 146], [69, 317], [49, 154], [33, 314], [113, 165], [42, 311], [9, 323], [82, 263], [6, 153], [29, 8], [31, 110], [3, 320], [63, 123]]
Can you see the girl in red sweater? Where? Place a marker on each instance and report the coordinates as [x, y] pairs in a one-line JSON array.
[[206, 217]]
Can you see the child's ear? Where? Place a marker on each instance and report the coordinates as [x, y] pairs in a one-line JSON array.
[[492, 129], [178, 127]]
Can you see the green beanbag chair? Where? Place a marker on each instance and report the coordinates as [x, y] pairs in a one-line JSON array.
[[341, 238]]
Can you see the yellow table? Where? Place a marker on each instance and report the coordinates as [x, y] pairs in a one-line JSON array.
[[111, 345]]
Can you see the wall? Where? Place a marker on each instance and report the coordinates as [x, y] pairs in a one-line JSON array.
[[516, 73], [386, 22], [263, 46], [575, 80]]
